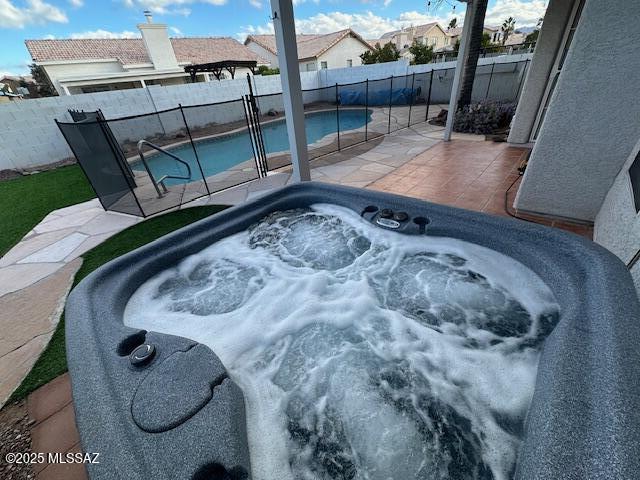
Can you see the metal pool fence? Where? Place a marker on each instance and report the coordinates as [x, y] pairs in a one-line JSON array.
[[145, 164]]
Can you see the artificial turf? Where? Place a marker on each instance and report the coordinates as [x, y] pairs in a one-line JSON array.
[[53, 360], [26, 200]]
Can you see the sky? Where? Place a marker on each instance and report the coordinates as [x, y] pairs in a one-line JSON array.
[[34, 19]]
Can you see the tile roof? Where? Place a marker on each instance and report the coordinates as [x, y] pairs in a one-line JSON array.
[[419, 30], [131, 51], [309, 45]]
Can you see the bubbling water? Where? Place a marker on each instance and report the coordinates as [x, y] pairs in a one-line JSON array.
[[363, 354]]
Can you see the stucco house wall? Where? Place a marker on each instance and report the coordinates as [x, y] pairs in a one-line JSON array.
[[592, 124], [262, 52], [348, 48], [617, 225]]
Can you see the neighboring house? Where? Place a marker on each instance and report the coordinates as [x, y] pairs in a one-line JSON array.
[[96, 65], [315, 52], [495, 34], [23, 85], [8, 97], [428, 34]]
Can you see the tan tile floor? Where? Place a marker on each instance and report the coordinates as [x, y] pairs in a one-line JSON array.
[[467, 174], [464, 173]]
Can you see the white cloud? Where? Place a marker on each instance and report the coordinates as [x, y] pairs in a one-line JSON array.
[[35, 12], [175, 30], [76, 3], [366, 24], [104, 34], [526, 13], [256, 3], [169, 7], [370, 25]]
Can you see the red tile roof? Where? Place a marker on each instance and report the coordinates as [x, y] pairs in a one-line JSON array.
[[130, 51], [309, 45]]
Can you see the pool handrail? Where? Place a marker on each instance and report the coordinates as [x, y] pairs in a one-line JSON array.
[[161, 180]]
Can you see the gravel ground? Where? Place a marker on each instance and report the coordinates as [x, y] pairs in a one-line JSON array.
[[15, 437]]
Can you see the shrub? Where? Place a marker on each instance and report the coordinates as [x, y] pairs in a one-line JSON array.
[[484, 117]]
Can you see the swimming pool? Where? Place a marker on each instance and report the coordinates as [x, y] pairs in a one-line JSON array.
[[222, 153]]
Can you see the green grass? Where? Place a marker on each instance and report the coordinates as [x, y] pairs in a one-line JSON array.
[[53, 361], [25, 201]]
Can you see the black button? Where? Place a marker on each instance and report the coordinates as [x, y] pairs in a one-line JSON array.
[[142, 355], [401, 216], [386, 213]]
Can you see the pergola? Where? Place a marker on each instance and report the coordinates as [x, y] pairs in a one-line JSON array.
[[217, 67]]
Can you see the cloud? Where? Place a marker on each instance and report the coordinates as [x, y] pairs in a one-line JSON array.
[[366, 24], [169, 7], [526, 13], [35, 12], [76, 3], [256, 3], [175, 30], [104, 34]]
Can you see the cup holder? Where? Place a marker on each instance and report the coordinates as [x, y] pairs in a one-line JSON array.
[[422, 223], [369, 209], [130, 343]]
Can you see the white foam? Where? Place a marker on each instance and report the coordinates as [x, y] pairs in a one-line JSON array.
[[361, 364]]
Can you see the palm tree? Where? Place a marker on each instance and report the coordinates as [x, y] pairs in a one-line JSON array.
[[508, 26], [473, 49]]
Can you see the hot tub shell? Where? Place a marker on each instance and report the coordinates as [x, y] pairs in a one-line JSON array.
[[180, 416]]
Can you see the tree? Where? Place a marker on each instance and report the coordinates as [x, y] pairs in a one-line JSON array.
[[421, 53], [508, 26], [264, 70], [533, 36], [44, 85], [453, 23], [473, 50], [388, 53]]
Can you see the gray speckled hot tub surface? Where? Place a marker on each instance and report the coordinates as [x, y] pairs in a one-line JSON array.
[[180, 416]]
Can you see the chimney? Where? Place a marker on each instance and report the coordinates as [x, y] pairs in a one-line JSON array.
[[156, 41]]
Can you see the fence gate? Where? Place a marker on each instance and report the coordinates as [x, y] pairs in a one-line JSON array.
[[252, 115]]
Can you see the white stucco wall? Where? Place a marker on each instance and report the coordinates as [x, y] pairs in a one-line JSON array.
[[58, 71], [31, 138], [263, 53], [592, 123], [617, 225], [347, 48]]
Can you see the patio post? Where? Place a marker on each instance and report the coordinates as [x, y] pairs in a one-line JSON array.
[[463, 52], [285, 30]]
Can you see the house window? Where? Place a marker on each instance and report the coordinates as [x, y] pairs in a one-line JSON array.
[[433, 41], [323, 65], [349, 63]]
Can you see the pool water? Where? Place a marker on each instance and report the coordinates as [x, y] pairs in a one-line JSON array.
[[219, 154], [363, 354]]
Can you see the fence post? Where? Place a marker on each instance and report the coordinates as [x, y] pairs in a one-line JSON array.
[[426, 114], [366, 110], [338, 115], [390, 99], [490, 78], [413, 81], [193, 146]]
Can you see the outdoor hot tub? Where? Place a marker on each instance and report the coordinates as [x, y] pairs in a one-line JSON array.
[[324, 332]]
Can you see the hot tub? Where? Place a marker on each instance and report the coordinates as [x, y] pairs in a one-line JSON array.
[[335, 333]]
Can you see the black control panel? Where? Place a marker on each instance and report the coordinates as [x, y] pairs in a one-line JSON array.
[[395, 220]]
